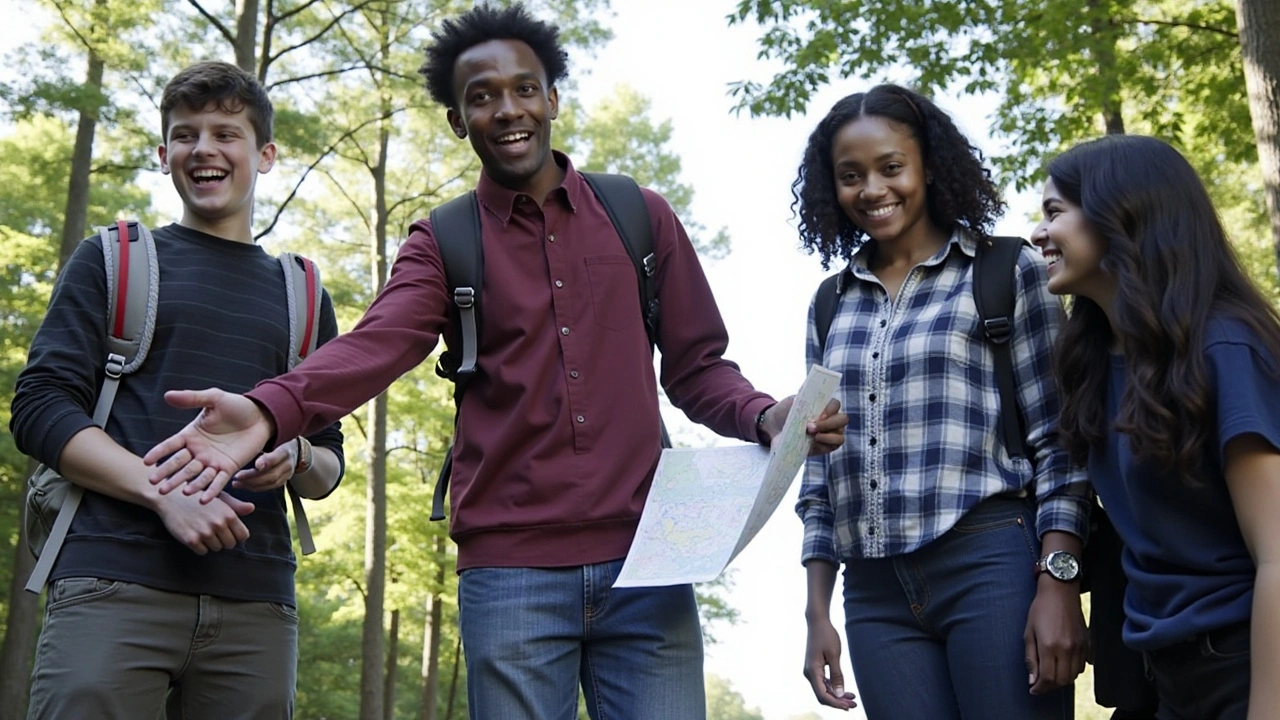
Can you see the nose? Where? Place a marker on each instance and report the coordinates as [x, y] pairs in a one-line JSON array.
[[1040, 235], [508, 107], [204, 144], [873, 188]]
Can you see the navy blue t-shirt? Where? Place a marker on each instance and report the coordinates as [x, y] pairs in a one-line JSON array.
[[1189, 569]]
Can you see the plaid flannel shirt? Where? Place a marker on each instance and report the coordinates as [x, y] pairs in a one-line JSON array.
[[919, 386]]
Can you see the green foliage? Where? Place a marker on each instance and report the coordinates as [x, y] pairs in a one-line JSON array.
[[1058, 68], [725, 703]]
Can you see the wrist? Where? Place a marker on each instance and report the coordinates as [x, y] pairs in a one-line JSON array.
[[762, 435], [304, 460]]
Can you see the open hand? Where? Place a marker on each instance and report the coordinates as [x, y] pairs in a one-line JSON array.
[[229, 432]]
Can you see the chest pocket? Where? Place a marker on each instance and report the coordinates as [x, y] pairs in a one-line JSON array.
[[615, 297]]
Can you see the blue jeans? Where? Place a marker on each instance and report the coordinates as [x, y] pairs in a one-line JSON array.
[[531, 636], [936, 634]]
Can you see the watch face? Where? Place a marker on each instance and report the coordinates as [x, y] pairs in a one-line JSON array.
[[1062, 565]]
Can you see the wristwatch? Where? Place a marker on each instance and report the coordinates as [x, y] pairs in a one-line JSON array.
[[304, 456], [1060, 564]]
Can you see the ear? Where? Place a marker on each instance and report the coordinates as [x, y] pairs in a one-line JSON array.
[[163, 152], [455, 122], [267, 157], [553, 98]]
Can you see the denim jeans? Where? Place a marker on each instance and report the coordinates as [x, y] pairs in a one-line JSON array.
[[532, 636], [113, 650], [1205, 678], [937, 634]]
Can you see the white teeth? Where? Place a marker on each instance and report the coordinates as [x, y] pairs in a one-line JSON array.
[[513, 137], [881, 212], [208, 174]]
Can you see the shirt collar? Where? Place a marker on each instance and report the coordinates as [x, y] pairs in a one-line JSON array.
[[501, 201], [961, 240]]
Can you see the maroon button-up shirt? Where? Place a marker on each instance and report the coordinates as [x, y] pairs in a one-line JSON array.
[[558, 432]]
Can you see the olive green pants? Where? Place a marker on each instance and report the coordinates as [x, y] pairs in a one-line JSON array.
[[113, 650]]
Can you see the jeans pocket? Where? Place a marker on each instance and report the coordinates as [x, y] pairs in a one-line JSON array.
[[286, 612], [987, 519], [1227, 643], [79, 590]]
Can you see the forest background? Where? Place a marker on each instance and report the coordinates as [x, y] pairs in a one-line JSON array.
[[709, 102]]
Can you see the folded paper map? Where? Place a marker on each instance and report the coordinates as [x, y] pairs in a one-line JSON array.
[[706, 504]]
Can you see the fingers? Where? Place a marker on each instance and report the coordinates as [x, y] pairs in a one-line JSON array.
[[240, 507], [176, 472], [189, 399], [1032, 656], [166, 449], [217, 482]]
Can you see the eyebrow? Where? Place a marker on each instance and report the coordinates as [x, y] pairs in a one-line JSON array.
[[1049, 201], [883, 157]]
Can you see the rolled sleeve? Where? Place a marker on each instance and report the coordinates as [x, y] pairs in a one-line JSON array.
[[814, 509]]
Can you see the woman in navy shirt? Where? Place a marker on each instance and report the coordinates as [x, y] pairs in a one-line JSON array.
[[1170, 393]]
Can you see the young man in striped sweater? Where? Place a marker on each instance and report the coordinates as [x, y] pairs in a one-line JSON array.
[[153, 596]]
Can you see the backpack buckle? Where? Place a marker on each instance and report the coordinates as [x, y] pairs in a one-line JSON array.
[[114, 366], [998, 329], [464, 297], [650, 265]]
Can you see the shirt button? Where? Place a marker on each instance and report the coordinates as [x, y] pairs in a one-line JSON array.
[[873, 442], [883, 323], [582, 418], [551, 238], [873, 484], [871, 531], [564, 331], [559, 283], [875, 355], [872, 397], [573, 374]]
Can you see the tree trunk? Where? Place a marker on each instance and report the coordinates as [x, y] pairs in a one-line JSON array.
[[1259, 23], [393, 661], [431, 642], [19, 647], [77, 207], [375, 551], [246, 35]]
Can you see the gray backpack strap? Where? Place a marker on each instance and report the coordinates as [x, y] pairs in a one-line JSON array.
[[133, 285], [456, 228], [303, 294]]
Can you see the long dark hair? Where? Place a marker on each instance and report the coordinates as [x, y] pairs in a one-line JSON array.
[[1174, 269], [962, 191]]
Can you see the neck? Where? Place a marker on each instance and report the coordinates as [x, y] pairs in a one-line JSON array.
[[910, 248], [235, 229]]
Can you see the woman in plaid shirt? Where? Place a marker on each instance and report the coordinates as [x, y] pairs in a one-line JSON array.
[[940, 529], [1169, 369]]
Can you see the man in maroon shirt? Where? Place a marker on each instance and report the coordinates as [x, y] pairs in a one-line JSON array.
[[558, 432]]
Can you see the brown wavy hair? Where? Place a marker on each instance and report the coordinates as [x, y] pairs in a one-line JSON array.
[[1174, 268]]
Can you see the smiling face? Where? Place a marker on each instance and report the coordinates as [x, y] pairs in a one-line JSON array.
[[505, 107], [214, 159], [1072, 248], [881, 180]]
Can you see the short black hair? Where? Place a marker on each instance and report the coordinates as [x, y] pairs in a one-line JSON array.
[[962, 192], [482, 24], [232, 89]]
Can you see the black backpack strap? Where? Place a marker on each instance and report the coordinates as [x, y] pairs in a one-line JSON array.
[[824, 307], [994, 295], [456, 227], [625, 205]]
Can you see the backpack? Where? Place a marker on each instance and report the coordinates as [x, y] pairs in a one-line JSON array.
[[456, 227], [129, 254], [993, 293]]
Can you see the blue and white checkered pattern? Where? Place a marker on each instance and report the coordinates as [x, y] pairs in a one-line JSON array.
[[919, 386]]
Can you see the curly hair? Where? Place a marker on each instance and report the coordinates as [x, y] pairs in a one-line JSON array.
[[480, 25], [197, 86], [962, 191], [1174, 270]]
